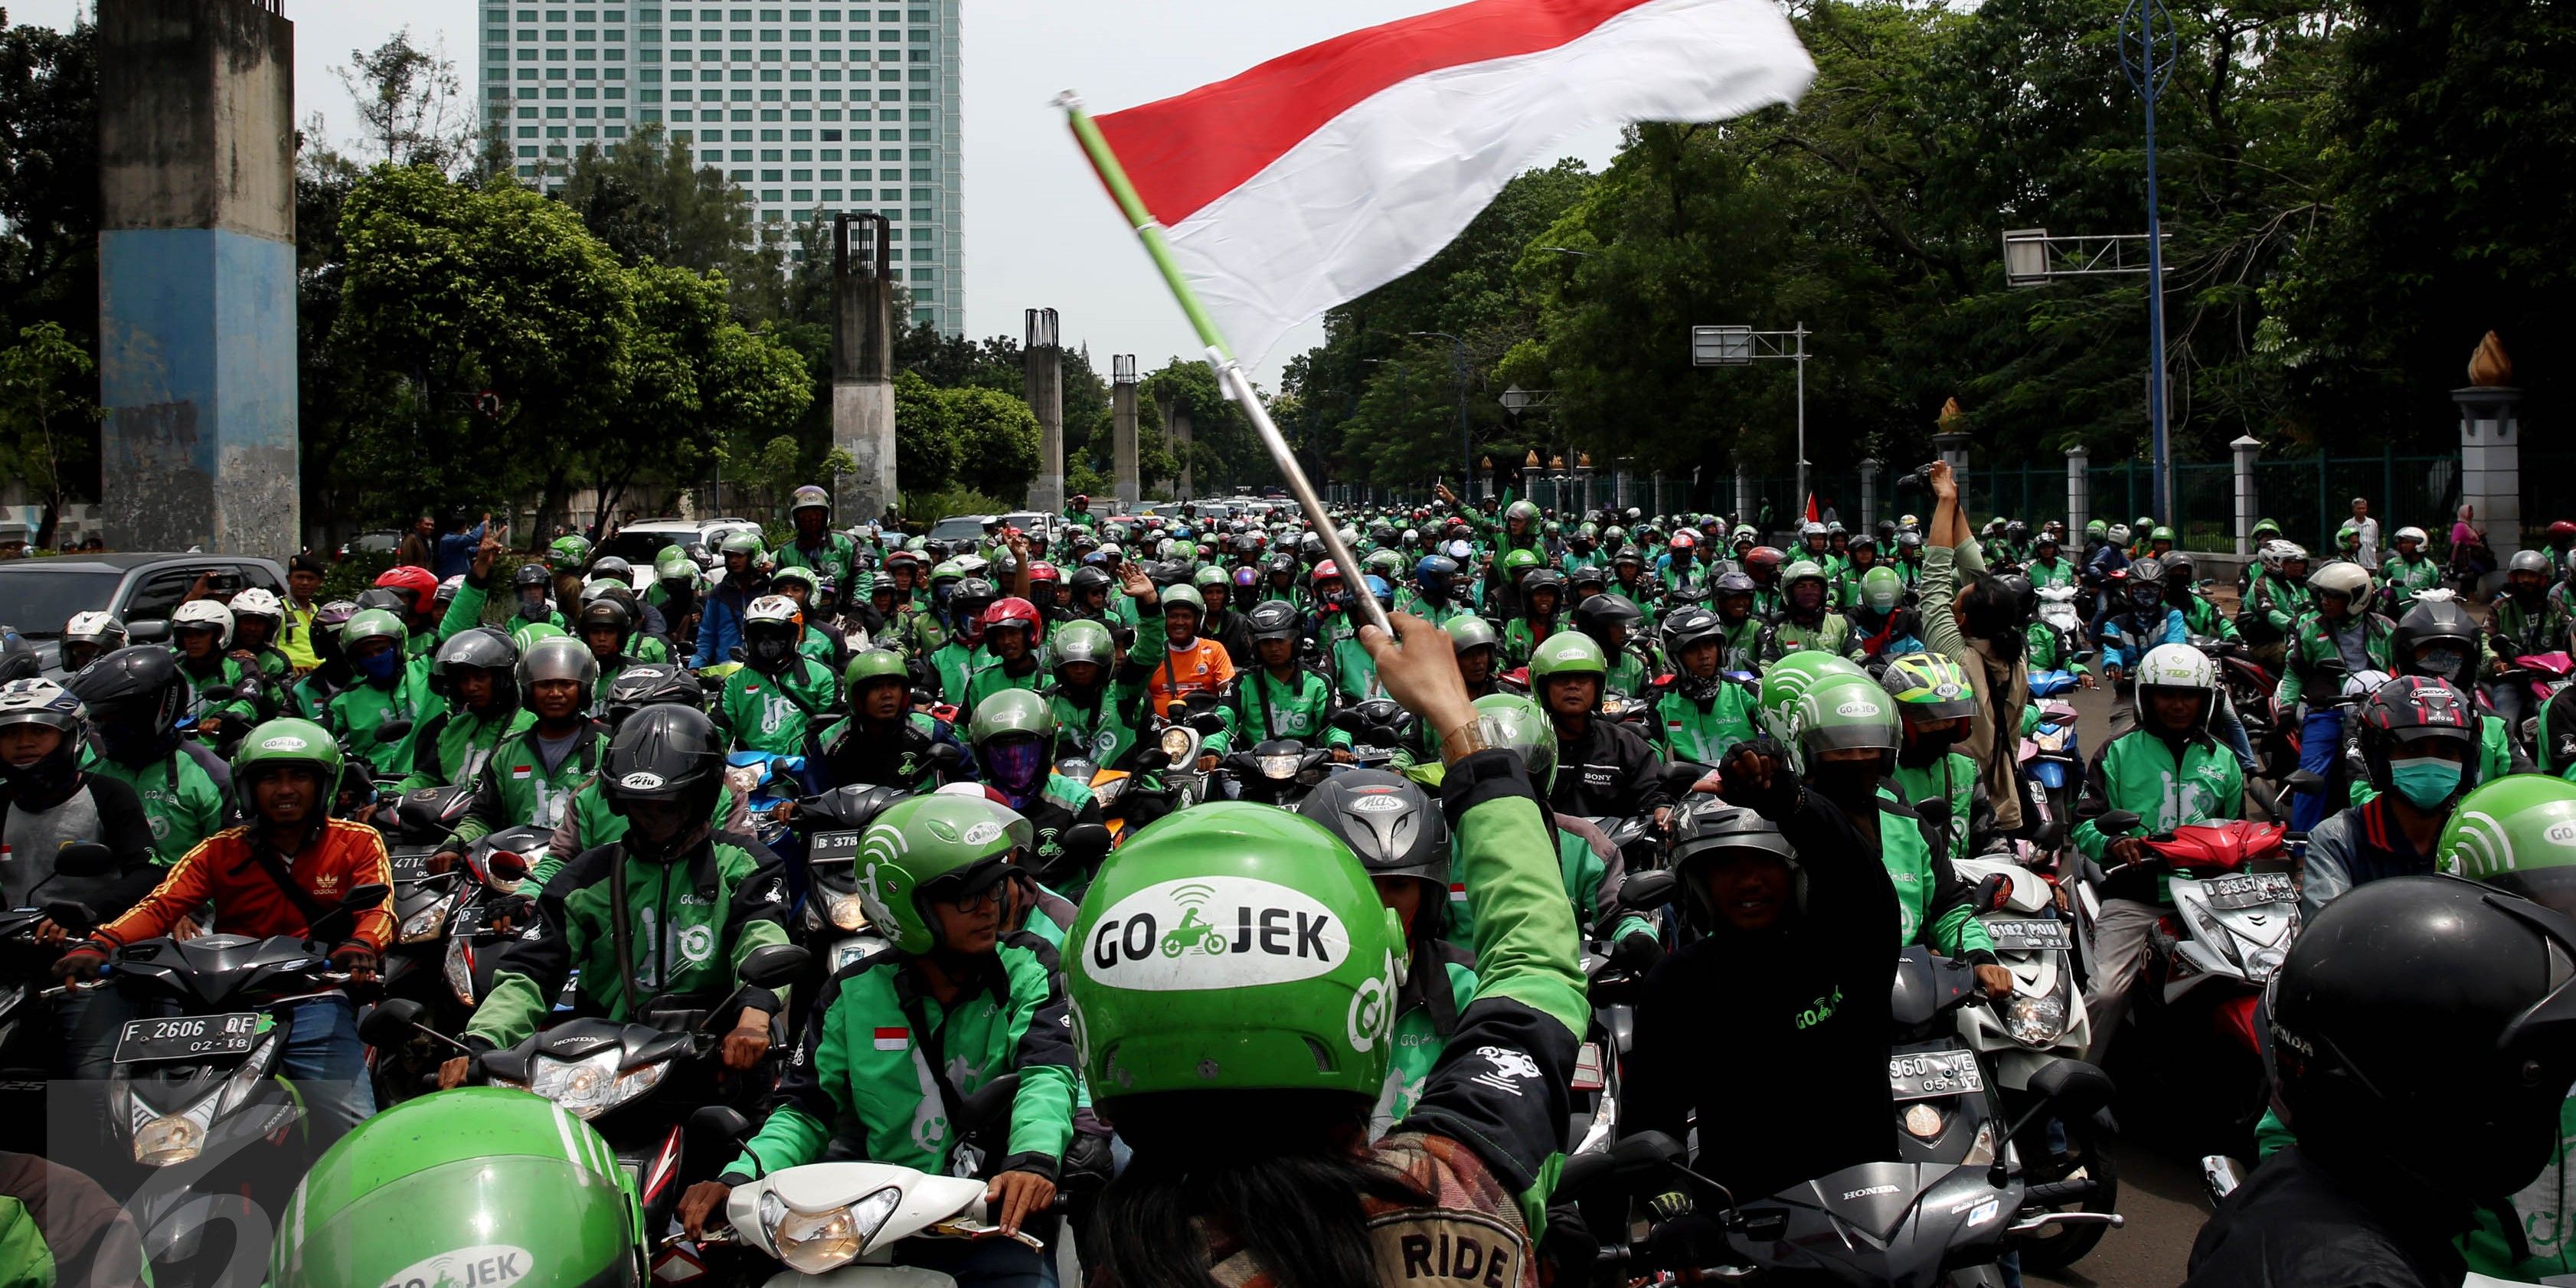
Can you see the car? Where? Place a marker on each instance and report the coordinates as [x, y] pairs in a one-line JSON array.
[[959, 527], [1033, 522], [40, 595], [637, 543], [375, 541]]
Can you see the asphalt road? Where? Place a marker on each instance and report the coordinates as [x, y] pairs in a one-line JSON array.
[[2161, 1193]]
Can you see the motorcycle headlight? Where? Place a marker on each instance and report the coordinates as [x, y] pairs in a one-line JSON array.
[[1177, 744], [165, 1142], [2216, 934], [1108, 793], [429, 922], [590, 1087], [2264, 963], [246, 1079], [1278, 767], [459, 968], [1922, 1120], [1981, 1151], [847, 911], [2035, 1021], [815, 1242]]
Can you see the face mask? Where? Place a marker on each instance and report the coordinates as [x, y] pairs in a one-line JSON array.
[[2424, 783], [379, 668], [48, 782], [1925, 749], [768, 654], [2445, 660], [1851, 784], [1017, 767]]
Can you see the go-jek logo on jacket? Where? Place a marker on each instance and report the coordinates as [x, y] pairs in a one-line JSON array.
[[1214, 932]]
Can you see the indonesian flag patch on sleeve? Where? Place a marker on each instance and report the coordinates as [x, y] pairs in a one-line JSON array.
[[523, 773], [893, 1039]]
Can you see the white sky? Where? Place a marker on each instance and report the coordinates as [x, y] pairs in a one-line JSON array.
[[1039, 230]]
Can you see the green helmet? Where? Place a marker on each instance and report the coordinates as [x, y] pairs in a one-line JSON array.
[[1184, 595], [1082, 640], [1524, 510], [741, 541], [1014, 711], [874, 664], [1212, 576], [1183, 552], [1510, 720], [2518, 832], [1566, 653], [1233, 947], [1784, 681], [525, 634], [1468, 631], [2161, 533], [919, 848], [432, 1187], [2097, 528], [1800, 571], [1881, 589], [947, 570], [1843, 711], [1929, 687], [674, 564], [2262, 528], [374, 623], [282, 744], [569, 552], [1518, 561]]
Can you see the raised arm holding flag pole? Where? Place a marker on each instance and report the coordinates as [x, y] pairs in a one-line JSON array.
[[1321, 175]]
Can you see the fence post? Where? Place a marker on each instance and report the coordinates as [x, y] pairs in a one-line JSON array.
[[2248, 503], [2491, 464], [1868, 495], [1743, 493], [2325, 510], [2079, 487]]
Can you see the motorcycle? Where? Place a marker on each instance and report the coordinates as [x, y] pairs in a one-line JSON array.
[[1278, 772], [833, 921], [1380, 731], [763, 781], [2235, 912], [1952, 1202], [2537, 677], [2042, 1023], [29, 1048], [622, 1078], [445, 947], [2051, 755]]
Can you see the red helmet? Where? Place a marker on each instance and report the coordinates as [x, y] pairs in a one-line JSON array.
[[1011, 610], [1325, 571], [1763, 557], [2562, 528], [1040, 570], [410, 579], [1683, 541], [1081, 499]]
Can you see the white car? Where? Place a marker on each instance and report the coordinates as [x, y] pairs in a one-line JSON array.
[[638, 543]]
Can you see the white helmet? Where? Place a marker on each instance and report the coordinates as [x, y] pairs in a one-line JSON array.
[[773, 608], [204, 614], [447, 589], [2415, 535], [2341, 577], [2118, 535], [2180, 667], [2277, 554], [255, 602]]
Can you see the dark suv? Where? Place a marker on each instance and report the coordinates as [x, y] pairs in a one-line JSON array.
[[38, 595]]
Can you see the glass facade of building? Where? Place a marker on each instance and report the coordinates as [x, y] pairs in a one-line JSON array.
[[809, 109]]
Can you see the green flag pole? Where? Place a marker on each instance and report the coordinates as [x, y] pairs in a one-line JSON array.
[[1220, 357]]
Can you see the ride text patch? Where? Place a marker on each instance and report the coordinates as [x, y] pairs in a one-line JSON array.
[[1214, 932], [1448, 1247]]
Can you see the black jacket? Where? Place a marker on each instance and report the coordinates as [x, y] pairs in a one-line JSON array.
[[2299, 1222], [1608, 772], [1782, 1035], [1233, 631]]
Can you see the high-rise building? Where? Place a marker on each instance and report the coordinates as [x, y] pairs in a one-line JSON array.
[[813, 109]]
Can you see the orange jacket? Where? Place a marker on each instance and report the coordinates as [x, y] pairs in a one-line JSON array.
[[248, 901], [1203, 667]]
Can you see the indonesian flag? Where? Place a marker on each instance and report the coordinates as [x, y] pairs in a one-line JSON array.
[[893, 1039], [1319, 176]]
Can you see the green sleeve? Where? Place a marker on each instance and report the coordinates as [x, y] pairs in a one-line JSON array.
[[791, 1136], [1939, 587], [1042, 1109], [1525, 931], [465, 612], [532, 972], [1958, 932], [2272, 1135]]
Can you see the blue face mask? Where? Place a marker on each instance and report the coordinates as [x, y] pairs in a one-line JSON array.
[[2424, 783], [379, 667]]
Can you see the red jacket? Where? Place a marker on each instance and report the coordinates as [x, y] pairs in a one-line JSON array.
[[248, 901]]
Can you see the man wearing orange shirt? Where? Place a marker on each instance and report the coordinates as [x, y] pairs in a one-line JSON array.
[[287, 868], [1169, 641]]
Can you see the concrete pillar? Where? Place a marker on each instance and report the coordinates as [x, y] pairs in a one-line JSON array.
[[2491, 464], [1953, 446], [1044, 356], [1177, 431], [1868, 495], [1122, 416], [2079, 496], [196, 276], [2249, 505], [1745, 510], [863, 367]]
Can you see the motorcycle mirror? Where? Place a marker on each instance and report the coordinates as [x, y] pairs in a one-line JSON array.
[[84, 859], [1347, 720], [990, 1104], [719, 1125], [2117, 822], [1641, 891], [1152, 759], [773, 964], [1200, 702], [390, 1022], [73, 916], [1208, 723], [1085, 841], [2305, 780], [392, 730], [508, 865], [2072, 1088], [1992, 891], [218, 693], [148, 632], [946, 756], [2050, 835], [1646, 1154]]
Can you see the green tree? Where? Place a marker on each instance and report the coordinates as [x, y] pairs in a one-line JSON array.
[[997, 440], [49, 187], [925, 435], [411, 108], [652, 203], [48, 424]]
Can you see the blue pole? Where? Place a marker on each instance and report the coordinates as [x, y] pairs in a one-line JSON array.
[[2149, 78]]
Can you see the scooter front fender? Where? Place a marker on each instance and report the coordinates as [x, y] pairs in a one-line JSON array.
[[863, 1276]]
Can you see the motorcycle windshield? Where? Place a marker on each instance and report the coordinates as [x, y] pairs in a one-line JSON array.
[[525, 1221]]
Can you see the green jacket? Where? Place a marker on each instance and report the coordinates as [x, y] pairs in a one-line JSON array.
[[1933, 907], [1354, 675], [2312, 649], [877, 1048], [773, 713], [837, 558], [1832, 635], [2137, 772], [1257, 707], [2528, 630], [2201, 617], [1106, 729], [2407, 578], [1632, 671], [2545, 1209], [955, 664], [1521, 638], [453, 745], [516, 788], [1591, 874], [692, 923], [1687, 728], [2060, 573], [2273, 604], [1422, 1032], [186, 795], [237, 712], [355, 714], [995, 677], [1953, 779], [587, 823]]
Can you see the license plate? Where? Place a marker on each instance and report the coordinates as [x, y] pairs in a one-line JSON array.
[[189, 1037], [2028, 934], [827, 847], [2250, 889], [1921, 1075], [410, 864], [469, 920]]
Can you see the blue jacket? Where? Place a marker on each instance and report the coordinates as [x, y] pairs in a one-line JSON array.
[[456, 552], [2106, 559], [720, 625], [2125, 638]]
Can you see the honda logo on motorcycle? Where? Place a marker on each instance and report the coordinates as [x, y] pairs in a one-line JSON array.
[[1214, 932]]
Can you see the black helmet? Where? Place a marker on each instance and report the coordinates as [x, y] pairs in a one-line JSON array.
[[665, 753], [1086, 579], [2427, 1021], [2411, 709], [2444, 624], [2179, 570], [17, 657], [1538, 579], [610, 612], [530, 574], [1596, 615], [1275, 619], [483, 648], [1394, 826], [2150, 569], [649, 684], [1690, 626], [386, 598], [1708, 828], [2025, 596], [137, 688]]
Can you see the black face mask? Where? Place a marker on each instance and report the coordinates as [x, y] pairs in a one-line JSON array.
[[768, 653], [1924, 750], [48, 782], [1851, 784]]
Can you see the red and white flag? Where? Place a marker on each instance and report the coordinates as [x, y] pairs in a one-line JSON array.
[[1321, 175]]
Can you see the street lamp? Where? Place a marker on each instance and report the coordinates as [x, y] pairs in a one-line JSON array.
[[1458, 359], [1740, 346]]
